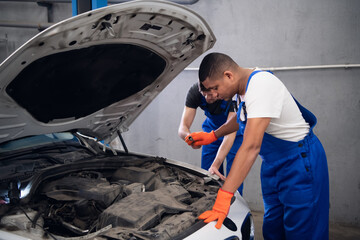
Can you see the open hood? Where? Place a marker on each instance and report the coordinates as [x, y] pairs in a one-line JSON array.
[[96, 72]]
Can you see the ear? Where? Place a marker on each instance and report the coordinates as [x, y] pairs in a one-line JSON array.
[[229, 75]]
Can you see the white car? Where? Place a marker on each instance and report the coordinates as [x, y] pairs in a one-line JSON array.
[[71, 90]]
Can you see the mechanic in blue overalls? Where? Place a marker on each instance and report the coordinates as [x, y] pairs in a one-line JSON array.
[[217, 113], [294, 173]]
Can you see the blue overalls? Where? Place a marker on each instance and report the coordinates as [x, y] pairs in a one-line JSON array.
[[213, 122], [295, 185]]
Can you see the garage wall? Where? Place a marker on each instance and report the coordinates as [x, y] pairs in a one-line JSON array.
[[263, 34]]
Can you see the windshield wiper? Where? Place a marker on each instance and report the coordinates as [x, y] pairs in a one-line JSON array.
[[62, 147], [86, 144], [31, 156]]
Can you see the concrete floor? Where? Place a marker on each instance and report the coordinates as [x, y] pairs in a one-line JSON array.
[[336, 231]]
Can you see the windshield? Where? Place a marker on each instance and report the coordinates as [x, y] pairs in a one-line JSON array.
[[36, 141]]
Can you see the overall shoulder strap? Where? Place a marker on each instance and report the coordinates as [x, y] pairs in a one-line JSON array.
[[251, 75], [203, 101]]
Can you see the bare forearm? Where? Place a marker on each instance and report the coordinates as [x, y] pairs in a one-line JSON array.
[[183, 132], [186, 122], [240, 168], [247, 153], [230, 126], [224, 149]]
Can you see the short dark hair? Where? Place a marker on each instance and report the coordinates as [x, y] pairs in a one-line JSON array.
[[214, 64], [202, 87]]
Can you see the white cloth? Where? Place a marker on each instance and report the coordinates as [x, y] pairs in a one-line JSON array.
[[267, 96]]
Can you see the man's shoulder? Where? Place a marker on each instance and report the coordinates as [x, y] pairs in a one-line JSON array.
[[261, 74], [194, 90], [193, 98], [195, 94], [265, 79]]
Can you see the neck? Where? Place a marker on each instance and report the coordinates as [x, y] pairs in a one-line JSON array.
[[244, 74]]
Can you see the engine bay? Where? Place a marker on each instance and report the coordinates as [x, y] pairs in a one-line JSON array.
[[131, 198]]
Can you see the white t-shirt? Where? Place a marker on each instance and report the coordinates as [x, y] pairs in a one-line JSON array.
[[267, 96]]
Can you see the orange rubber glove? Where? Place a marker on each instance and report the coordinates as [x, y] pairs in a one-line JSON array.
[[220, 209], [200, 138]]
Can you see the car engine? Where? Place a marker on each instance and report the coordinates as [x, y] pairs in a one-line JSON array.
[[131, 198]]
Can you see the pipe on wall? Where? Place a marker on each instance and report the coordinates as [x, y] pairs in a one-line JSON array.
[[299, 67], [23, 24], [185, 2]]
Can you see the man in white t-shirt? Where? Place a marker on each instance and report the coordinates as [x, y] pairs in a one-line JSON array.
[[294, 174]]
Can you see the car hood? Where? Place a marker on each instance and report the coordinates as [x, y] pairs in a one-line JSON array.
[[96, 72]]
